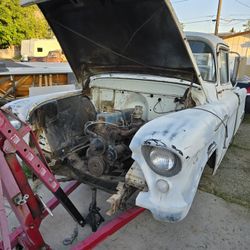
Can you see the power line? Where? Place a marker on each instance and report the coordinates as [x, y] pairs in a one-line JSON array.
[[224, 18], [230, 24], [200, 21], [243, 4], [240, 14], [235, 19], [198, 17], [235, 22], [180, 1]]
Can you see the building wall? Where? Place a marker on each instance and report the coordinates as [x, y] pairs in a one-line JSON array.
[[240, 44], [39, 47], [9, 53]]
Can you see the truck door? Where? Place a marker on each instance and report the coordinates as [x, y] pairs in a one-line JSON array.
[[229, 100]]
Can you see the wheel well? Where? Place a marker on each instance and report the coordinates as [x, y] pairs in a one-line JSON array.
[[212, 160]]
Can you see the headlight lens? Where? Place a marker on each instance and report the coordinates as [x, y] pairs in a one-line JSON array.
[[161, 160]]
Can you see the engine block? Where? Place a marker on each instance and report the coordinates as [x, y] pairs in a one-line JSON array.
[[110, 136]]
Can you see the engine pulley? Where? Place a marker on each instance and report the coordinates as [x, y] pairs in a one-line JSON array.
[[96, 166]]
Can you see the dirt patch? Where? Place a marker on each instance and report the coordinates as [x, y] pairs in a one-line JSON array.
[[232, 180]]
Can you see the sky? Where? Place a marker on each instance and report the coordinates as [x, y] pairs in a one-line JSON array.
[[197, 15]]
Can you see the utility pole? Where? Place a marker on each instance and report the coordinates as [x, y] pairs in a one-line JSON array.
[[218, 18]]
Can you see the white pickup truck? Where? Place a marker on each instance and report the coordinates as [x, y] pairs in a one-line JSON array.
[[156, 105]]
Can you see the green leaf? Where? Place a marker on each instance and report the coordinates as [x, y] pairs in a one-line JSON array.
[[18, 23]]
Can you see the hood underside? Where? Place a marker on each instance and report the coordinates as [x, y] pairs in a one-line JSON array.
[[139, 36]]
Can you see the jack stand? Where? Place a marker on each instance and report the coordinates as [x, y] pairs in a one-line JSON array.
[[94, 218]]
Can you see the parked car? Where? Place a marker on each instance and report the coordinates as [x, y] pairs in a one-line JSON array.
[[157, 105]]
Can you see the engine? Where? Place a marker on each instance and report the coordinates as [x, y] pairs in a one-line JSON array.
[[85, 145], [110, 135]]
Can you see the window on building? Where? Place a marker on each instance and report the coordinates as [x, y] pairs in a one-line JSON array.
[[39, 49]]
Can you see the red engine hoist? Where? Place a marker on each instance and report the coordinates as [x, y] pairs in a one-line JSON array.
[[29, 209]]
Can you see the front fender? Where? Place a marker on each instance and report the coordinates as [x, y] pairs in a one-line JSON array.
[[23, 108], [190, 134]]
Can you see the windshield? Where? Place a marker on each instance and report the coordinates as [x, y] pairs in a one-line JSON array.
[[204, 59]]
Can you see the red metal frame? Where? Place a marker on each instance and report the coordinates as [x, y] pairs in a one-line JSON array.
[[4, 221], [111, 227], [14, 186], [51, 204], [14, 142]]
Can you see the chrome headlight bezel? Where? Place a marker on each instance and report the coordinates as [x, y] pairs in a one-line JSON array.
[[174, 170]]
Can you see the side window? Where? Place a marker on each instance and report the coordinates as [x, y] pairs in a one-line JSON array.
[[224, 67]]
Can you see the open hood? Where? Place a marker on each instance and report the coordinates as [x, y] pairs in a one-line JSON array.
[[141, 36]]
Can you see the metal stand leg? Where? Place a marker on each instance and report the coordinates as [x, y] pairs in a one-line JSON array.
[[4, 221], [94, 218], [31, 239]]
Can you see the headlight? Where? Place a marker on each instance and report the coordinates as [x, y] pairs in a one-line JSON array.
[[161, 160]]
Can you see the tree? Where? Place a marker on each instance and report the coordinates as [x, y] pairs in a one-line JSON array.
[[18, 23], [247, 25]]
